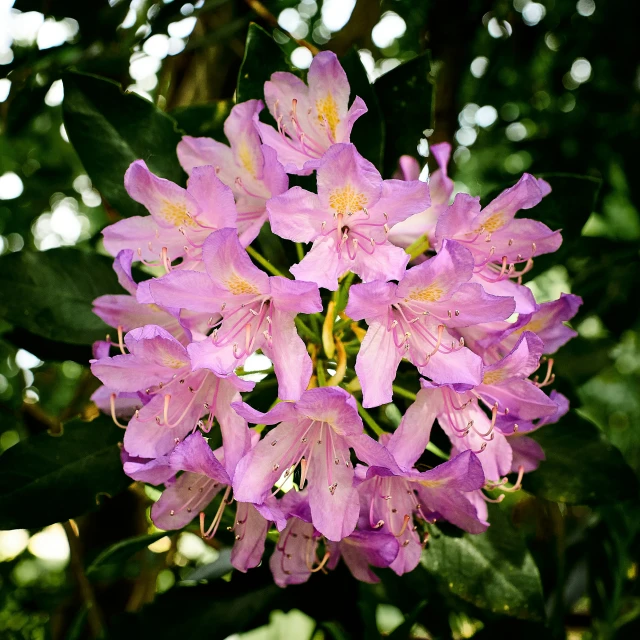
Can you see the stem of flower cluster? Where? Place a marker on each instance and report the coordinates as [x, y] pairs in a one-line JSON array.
[[371, 423], [265, 263], [327, 331], [418, 247], [404, 393]]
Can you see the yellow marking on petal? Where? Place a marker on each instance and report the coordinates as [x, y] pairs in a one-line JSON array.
[[432, 293], [175, 213], [536, 325], [328, 111], [493, 377], [239, 286], [492, 223], [246, 158], [432, 484], [347, 200], [172, 362]]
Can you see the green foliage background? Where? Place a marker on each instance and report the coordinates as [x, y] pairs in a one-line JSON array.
[[561, 557]]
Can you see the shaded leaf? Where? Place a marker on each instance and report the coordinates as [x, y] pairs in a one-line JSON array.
[[262, 57], [570, 203], [214, 570], [204, 119], [46, 479], [492, 571], [581, 466], [122, 551], [406, 98], [50, 293], [213, 611], [369, 130], [404, 630], [110, 129]]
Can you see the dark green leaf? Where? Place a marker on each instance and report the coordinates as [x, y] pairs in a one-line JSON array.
[[50, 293], [492, 571], [406, 98], [213, 611], [404, 630], [204, 119], [122, 551], [46, 479], [368, 131], [570, 203], [214, 570], [110, 129], [581, 466], [262, 57]]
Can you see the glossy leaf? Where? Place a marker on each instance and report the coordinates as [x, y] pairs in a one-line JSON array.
[[50, 293], [262, 57], [204, 119], [110, 129], [581, 466], [369, 130], [214, 570], [492, 571], [406, 98], [122, 551], [213, 611], [46, 479]]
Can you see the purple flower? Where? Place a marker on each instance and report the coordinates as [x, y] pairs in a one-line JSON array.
[[514, 401], [310, 118], [497, 240], [248, 167], [411, 320], [547, 323], [348, 220], [206, 475], [440, 187], [158, 367], [256, 311], [180, 218], [392, 499], [295, 556], [126, 312], [316, 432]]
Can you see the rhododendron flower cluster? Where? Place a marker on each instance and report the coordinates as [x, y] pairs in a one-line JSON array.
[[359, 304]]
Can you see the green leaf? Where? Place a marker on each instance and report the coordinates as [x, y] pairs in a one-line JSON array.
[[46, 479], [262, 57], [406, 98], [50, 293], [492, 571], [204, 119], [213, 611], [570, 203], [110, 129], [404, 630], [581, 466], [122, 551], [368, 131], [214, 570]]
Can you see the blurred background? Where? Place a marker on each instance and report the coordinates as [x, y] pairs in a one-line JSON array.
[[545, 87]]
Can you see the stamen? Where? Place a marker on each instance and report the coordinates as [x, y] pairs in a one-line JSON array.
[[120, 340], [166, 262], [324, 561], [113, 412], [550, 377]]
